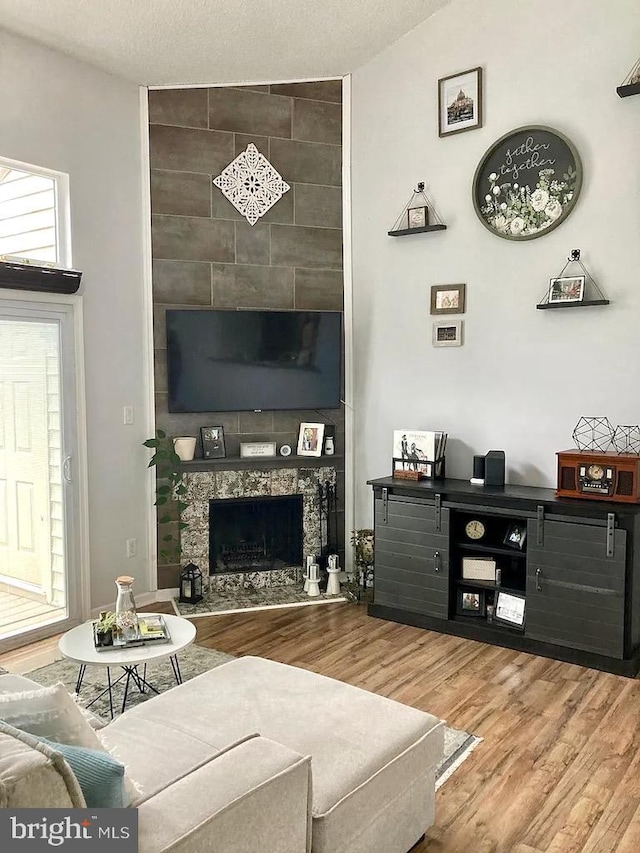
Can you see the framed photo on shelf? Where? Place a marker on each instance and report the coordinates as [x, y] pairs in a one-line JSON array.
[[460, 102], [417, 217], [447, 333], [471, 603], [567, 289], [509, 609], [516, 534], [310, 439], [448, 298], [212, 438]]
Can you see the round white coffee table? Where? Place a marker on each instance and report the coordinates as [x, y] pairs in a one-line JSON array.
[[77, 645]]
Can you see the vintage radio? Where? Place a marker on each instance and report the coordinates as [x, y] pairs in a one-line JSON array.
[[606, 476]]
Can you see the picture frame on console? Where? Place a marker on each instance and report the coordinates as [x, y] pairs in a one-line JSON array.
[[471, 602], [515, 535], [213, 446], [510, 609], [310, 439]]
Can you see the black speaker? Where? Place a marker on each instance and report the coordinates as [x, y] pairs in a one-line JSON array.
[[478, 467], [494, 464]]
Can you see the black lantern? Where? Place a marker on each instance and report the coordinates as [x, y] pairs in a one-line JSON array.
[[190, 584]]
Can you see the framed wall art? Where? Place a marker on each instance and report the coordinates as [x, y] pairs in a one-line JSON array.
[[567, 289], [447, 333], [310, 439], [448, 298], [527, 183], [460, 102], [212, 442], [418, 217]]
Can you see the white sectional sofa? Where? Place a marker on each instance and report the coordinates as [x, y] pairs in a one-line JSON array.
[[258, 755]]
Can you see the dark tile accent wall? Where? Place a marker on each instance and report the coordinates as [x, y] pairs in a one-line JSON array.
[[205, 254]]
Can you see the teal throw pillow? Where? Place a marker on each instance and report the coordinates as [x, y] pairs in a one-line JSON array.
[[99, 775]]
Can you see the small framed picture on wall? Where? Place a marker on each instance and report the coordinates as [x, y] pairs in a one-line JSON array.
[[417, 217], [447, 334], [460, 102]]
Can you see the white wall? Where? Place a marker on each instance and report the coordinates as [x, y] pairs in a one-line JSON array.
[[66, 115], [523, 377]]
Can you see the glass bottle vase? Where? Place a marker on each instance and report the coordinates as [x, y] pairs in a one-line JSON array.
[[125, 609]]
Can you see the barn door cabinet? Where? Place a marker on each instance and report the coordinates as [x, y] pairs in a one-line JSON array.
[[576, 568]]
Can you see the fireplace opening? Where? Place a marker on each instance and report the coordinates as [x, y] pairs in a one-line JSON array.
[[255, 534]]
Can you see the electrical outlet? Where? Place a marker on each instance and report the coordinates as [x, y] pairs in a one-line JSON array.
[[131, 547], [128, 415]]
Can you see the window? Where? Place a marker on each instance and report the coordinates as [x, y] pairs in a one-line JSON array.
[[30, 216]]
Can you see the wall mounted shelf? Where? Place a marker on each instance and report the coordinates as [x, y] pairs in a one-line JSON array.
[[233, 463], [403, 232], [591, 293], [631, 89], [419, 208], [631, 83], [584, 304]]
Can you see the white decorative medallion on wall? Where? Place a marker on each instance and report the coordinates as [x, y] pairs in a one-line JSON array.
[[251, 184]]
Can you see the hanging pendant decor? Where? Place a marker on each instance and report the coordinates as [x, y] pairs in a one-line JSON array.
[[527, 183], [251, 184]]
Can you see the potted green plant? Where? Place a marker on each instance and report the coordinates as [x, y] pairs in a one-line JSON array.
[[104, 628], [169, 488], [362, 541]]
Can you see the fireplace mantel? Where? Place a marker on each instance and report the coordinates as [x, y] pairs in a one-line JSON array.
[[235, 463]]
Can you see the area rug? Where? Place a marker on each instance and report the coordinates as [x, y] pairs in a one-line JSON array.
[[458, 745], [237, 600]]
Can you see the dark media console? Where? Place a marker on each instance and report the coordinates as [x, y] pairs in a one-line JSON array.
[[569, 569]]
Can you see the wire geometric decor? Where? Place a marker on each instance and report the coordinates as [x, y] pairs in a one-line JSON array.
[[251, 184], [593, 434], [626, 439]]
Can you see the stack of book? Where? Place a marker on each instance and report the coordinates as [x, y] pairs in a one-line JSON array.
[[153, 629]]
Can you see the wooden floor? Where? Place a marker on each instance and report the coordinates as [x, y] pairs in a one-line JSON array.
[[559, 768]]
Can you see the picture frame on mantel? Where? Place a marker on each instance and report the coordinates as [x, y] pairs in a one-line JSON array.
[[213, 446], [460, 102], [310, 438]]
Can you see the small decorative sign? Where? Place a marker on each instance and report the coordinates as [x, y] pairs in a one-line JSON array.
[[527, 183], [253, 449]]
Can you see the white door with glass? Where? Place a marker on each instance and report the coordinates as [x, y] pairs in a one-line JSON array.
[[40, 580], [37, 445]]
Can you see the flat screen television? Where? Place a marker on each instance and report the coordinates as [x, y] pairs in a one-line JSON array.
[[227, 361]]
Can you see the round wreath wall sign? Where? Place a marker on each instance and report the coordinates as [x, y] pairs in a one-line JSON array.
[[527, 183]]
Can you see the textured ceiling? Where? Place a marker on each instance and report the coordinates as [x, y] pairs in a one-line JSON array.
[[155, 42]]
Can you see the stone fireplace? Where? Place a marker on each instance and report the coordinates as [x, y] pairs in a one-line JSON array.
[[255, 534], [228, 493]]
